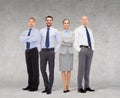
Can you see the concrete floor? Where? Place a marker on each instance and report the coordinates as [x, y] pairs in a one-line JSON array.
[[17, 92]]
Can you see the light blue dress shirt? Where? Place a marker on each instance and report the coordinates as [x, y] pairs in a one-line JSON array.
[[66, 33], [54, 38], [34, 38]]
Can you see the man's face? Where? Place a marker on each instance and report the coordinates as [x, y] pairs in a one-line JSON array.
[[49, 22], [31, 23], [84, 20]]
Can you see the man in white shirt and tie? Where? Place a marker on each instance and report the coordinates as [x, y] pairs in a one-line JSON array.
[[50, 44], [84, 44]]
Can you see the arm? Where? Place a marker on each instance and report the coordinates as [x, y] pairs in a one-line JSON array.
[[31, 38], [76, 42], [63, 43], [23, 37], [58, 41], [39, 41], [93, 43], [70, 40]]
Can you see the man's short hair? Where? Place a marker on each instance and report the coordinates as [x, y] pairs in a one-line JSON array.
[[49, 17], [65, 20], [32, 18]]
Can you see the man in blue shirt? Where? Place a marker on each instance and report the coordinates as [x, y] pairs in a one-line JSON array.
[[50, 44], [31, 39]]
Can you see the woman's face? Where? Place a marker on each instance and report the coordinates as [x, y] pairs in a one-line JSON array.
[[66, 24]]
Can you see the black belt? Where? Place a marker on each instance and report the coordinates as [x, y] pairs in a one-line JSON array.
[[31, 49], [47, 49], [85, 46]]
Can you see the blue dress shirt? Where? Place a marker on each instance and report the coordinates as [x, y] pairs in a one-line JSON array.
[[33, 39], [66, 33], [54, 38]]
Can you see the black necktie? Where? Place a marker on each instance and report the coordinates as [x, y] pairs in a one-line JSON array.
[[47, 38], [88, 37], [28, 43]]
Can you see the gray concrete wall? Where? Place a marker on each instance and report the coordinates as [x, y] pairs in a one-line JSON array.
[[103, 20]]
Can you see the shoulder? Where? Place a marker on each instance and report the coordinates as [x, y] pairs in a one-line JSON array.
[[61, 32], [89, 30], [71, 32], [25, 31], [36, 30], [77, 29], [53, 29], [43, 29]]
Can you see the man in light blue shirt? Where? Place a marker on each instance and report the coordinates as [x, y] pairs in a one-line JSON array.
[[31, 38], [50, 44]]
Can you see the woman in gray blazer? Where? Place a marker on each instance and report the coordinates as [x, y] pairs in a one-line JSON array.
[[66, 54]]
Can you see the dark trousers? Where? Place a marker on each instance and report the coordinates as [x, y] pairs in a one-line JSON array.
[[47, 55], [32, 67], [85, 58]]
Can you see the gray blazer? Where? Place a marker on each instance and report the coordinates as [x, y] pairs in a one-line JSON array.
[[67, 44]]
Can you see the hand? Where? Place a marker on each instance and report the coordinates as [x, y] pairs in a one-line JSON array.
[[62, 40]]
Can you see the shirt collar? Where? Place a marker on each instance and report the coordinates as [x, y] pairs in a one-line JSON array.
[[83, 26], [49, 27], [32, 28], [66, 31]]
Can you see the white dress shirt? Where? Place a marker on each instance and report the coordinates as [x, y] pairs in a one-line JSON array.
[[81, 38], [54, 38]]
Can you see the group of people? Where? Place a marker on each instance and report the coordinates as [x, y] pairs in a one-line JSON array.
[[47, 42]]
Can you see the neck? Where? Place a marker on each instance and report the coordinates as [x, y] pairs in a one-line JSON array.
[[30, 27], [49, 26], [66, 29]]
